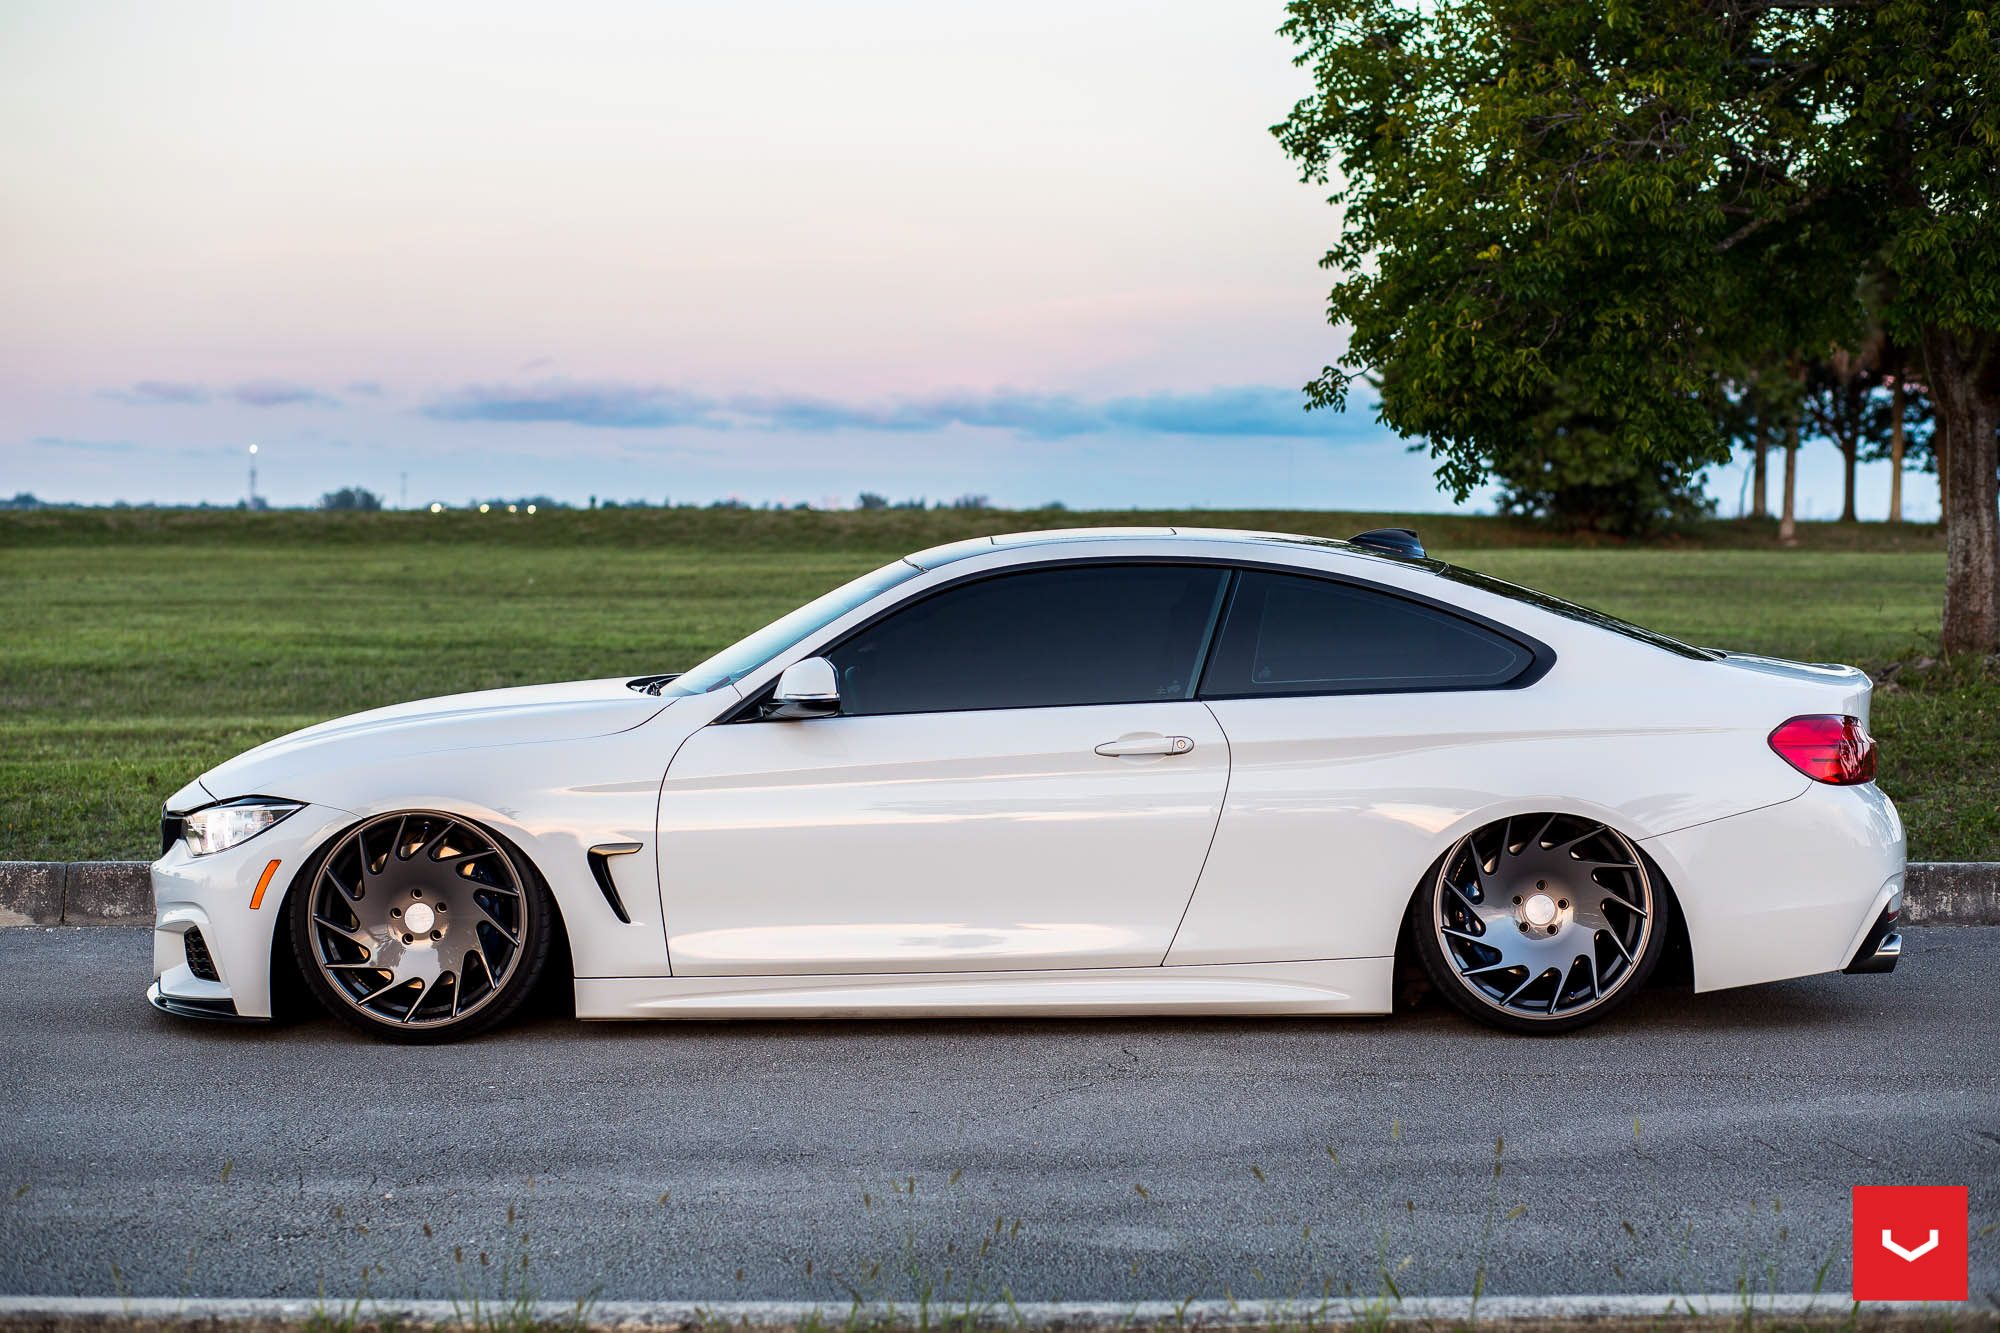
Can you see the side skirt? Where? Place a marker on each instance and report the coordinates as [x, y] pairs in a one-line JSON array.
[[1333, 986]]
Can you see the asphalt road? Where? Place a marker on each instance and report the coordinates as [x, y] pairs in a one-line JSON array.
[[823, 1160]]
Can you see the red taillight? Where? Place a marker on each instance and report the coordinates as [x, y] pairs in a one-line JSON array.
[[1827, 748]]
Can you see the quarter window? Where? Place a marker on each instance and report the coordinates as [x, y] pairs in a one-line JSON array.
[[1084, 634], [1289, 635]]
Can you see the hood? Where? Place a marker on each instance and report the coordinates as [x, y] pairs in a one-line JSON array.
[[521, 715]]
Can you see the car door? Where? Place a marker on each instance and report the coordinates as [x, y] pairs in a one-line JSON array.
[[1361, 723], [1019, 778]]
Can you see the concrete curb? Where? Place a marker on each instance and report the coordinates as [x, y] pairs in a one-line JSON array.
[[72, 1311], [120, 893]]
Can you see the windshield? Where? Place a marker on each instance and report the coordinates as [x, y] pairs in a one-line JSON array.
[[747, 654]]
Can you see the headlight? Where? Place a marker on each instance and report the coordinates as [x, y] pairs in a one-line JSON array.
[[222, 826]]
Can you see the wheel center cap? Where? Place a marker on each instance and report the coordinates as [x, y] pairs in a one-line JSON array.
[[420, 918], [1540, 909]]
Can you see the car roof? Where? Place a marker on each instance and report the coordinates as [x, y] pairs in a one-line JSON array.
[[1195, 539]]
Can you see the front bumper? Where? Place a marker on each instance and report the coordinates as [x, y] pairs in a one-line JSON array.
[[214, 894], [187, 1006]]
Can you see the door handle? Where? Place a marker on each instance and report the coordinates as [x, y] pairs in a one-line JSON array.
[[1133, 745]]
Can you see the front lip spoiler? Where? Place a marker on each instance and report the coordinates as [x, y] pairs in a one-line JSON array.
[[223, 1011], [1880, 947]]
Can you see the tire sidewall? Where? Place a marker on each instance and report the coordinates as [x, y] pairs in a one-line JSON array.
[[538, 918], [1445, 980]]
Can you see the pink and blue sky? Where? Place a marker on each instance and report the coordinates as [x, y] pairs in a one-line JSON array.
[[782, 251]]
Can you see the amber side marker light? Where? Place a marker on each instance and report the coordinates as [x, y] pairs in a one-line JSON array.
[[263, 883], [1827, 748]]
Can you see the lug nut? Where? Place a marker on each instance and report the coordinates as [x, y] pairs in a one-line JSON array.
[[1517, 900], [416, 893], [1563, 903], [1552, 930], [1541, 884], [409, 939], [437, 934], [442, 904], [395, 911]]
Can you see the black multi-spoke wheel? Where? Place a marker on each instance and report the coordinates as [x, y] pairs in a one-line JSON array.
[[1540, 923], [420, 926]]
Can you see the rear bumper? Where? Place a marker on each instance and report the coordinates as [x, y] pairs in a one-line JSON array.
[[1790, 890], [1881, 946]]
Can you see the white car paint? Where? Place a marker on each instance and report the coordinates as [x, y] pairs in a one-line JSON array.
[[937, 842], [987, 862]]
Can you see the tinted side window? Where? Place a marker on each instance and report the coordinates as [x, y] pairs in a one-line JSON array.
[[1088, 634], [1290, 635]]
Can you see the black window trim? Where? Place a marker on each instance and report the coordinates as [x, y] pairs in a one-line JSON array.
[[1541, 657]]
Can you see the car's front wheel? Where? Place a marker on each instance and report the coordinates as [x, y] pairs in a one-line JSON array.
[[421, 926], [1540, 923]]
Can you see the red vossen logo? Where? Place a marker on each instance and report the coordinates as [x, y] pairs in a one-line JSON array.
[[1910, 1242]]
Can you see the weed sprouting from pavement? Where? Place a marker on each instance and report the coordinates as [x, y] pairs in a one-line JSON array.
[[952, 1289], [509, 1304], [933, 1255], [194, 1240], [342, 1316], [1761, 1254]]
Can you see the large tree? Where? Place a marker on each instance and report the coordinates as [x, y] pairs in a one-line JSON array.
[[1613, 204]]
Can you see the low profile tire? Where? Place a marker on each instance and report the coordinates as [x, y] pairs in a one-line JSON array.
[[1540, 923], [421, 927]]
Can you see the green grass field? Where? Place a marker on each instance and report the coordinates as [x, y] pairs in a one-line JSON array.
[[143, 646]]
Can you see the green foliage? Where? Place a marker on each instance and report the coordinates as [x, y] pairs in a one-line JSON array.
[[1549, 200], [1574, 480], [351, 497], [1624, 207]]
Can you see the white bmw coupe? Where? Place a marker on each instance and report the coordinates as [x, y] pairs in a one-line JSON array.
[[1101, 771]]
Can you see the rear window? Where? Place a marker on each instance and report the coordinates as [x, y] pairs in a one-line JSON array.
[[1571, 611], [1286, 634]]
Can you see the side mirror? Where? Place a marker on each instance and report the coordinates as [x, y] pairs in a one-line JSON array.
[[806, 689]]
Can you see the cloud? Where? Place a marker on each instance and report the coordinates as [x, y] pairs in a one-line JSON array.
[[250, 393], [1238, 411], [364, 388], [91, 446], [148, 393], [1246, 410], [612, 405], [277, 393]]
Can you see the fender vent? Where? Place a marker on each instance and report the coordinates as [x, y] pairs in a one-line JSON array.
[[600, 870], [198, 959]]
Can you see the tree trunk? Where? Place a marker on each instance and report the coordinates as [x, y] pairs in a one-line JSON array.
[[1938, 452], [1788, 527], [1760, 491], [1850, 449], [1965, 387], [1896, 406]]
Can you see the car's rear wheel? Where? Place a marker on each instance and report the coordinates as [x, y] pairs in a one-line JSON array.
[[421, 927], [1540, 923]]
